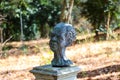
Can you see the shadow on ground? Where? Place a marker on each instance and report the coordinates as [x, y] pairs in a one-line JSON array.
[[100, 71]]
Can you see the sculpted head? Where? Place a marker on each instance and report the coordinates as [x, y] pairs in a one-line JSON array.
[[62, 36]]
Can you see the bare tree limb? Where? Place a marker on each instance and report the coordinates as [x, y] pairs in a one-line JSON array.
[[3, 44]]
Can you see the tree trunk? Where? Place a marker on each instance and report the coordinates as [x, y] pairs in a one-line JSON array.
[[1, 36], [44, 29], [96, 35], [21, 29], [66, 11], [108, 27], [2, 19]]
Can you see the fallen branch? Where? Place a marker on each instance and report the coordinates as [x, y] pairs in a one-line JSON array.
[[3, 44]]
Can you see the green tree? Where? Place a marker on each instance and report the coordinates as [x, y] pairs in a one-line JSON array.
[[103, 14], [34, 15], [32, 19]]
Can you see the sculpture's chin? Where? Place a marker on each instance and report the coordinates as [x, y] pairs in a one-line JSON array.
[[61, 63]]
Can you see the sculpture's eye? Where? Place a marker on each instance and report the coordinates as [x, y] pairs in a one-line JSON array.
[[54, 37]]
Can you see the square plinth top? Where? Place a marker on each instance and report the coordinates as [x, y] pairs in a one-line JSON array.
[[55, 71]]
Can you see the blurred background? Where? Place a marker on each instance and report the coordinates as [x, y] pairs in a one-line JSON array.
[[24, 35]]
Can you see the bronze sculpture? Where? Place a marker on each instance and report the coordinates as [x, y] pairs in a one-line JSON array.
[[63, 35]]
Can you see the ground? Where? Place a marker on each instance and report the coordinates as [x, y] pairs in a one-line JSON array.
[[97, 60]]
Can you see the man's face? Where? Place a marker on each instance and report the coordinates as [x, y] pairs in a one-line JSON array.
[[57, 41]]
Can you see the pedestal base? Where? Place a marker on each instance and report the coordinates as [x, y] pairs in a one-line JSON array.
[[48, 72]]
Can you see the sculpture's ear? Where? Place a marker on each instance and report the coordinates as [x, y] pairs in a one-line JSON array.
[[69, 35], [69, 38]]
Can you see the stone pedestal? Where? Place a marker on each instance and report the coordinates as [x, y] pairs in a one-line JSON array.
[[48, 72]]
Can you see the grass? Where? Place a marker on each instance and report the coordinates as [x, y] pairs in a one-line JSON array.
[[97, 60]]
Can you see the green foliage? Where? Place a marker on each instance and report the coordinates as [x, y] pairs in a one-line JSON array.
[[38, 17], [24, 49], [96, 11], [35, 14]]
